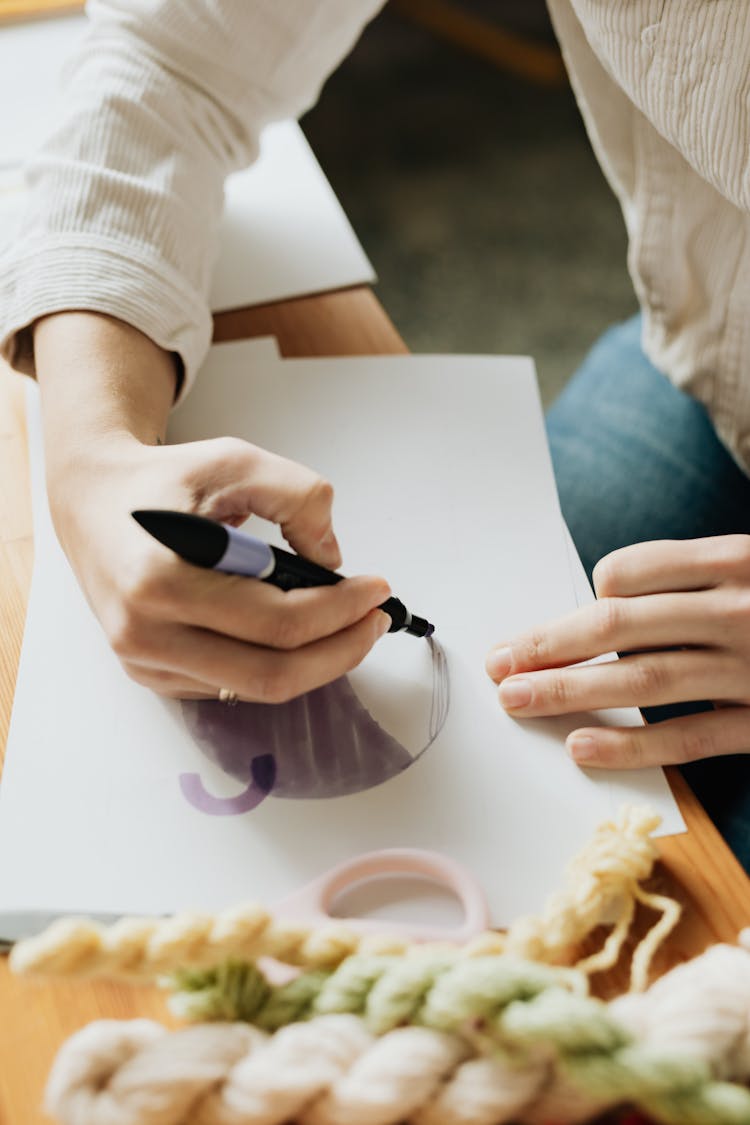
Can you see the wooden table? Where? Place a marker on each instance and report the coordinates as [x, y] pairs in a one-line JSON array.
[[35, 1018]]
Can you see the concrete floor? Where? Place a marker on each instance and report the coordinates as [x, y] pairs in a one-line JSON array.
[[478, 199]]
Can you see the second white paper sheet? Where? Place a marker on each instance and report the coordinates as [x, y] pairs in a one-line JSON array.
[[115, 800], [283, 232]]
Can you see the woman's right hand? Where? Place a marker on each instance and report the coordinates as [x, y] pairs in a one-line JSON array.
[[179, 629]]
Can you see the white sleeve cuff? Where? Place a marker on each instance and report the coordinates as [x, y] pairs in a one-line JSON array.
[[76, 272]]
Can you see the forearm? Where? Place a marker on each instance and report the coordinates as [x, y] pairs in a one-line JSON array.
[[102, 383]]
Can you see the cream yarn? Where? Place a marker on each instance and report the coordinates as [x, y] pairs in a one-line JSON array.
[[676, 1051]]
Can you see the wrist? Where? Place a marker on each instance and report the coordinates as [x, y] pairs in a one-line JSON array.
[[101, 381]]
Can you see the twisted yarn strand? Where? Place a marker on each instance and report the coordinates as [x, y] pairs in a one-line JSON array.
[[601, 887], [440, 992], [492, 1049], [142, 949]]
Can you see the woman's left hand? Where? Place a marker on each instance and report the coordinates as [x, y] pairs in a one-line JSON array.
[[680, 611]]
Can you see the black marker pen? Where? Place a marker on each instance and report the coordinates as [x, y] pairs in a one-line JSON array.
[[217, 546]]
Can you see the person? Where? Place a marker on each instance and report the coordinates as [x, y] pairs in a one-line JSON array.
[[104, 299]]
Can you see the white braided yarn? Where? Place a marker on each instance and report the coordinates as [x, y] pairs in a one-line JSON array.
[[330, 1071], [390, 1081], [133, 1072], [701, 1008], [293, 1069], [333, 1071], [483, 1092]]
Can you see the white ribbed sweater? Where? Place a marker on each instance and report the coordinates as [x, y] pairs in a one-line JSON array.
[[167, 96]]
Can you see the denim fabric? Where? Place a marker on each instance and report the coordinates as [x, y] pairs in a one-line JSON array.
[[637, 459]]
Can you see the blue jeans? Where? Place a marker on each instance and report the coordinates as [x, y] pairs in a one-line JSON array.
[[637, 459]]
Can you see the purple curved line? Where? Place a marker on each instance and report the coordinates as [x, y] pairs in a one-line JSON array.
[[261, 783], [205, 802]]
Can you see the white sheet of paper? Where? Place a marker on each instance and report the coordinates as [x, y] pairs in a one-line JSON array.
[[444, 485], [283, 233]]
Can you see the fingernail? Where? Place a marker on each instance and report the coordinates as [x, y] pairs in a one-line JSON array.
[[498, 663], [515, 693], [581, 747], [383, 624]]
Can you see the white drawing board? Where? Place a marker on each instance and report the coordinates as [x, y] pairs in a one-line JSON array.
[[444, 485]]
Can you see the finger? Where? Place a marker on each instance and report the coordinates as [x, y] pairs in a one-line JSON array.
[[610, 625], [673, 742], [643, 680], [169, 684], [240, 478], [261, 614], [162, 590], [672, 564], [262, 674]]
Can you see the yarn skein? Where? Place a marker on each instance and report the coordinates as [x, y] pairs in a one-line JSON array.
[[531, 1051]]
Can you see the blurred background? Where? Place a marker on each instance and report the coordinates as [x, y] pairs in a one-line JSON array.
[[472, 186], [453, 141]]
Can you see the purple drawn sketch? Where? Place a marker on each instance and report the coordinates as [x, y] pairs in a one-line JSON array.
[[323, 744]]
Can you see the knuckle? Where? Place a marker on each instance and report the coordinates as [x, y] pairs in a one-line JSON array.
[[322, 490], [213, 464], [128, 635], [140, 675], [227, 448], [608, 618], [314, 505], [632, 751], [533, 650], [157, 680], [694, 745], [647, 680], [734, 609], [308, 504], [288, 631], [145, 585], [557, 691], [731, 553], [607, 574]]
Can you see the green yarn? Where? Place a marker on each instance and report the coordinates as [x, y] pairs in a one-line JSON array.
[[389, 992], [239, 991], [503, 1004], [348, 988], [574, 1025], [232, 991], [438, 992], [291, 1002], [474, 991]]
